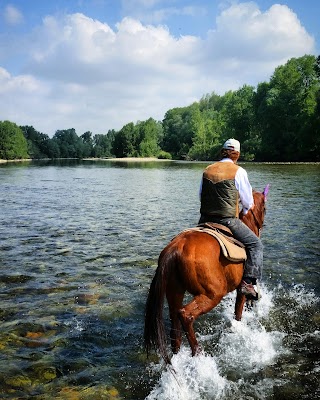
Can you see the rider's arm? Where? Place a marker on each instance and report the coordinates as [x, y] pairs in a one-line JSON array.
[[245, 190]]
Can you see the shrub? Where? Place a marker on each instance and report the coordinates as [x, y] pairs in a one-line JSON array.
[[164, 155]]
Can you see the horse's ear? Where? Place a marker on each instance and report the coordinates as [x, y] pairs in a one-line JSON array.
[[266, 191]]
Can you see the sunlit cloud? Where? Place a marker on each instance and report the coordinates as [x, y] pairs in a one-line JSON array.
[[12, 15], [82, 73]]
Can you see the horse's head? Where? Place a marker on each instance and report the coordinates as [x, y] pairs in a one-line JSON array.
[[254, 218]]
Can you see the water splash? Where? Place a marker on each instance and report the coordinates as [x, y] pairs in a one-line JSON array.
[[189, 378], [243, 350], [75, 325]]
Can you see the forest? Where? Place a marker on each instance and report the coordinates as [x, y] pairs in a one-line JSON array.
[[277, 121]]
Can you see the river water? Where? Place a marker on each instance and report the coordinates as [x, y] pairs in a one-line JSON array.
[[79, 243]]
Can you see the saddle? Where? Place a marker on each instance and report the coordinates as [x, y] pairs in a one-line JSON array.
[[231, 248]]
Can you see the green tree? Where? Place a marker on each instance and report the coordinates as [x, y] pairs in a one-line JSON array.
[[53, 149], [309, 133], [178, 131], [87, 148], [124, 141], [211, 102], [312, 140], [69, 144], [103, 144], [149, 134], [288, 111], [206, 129], [13, 144], [238, 114], [38, 143]]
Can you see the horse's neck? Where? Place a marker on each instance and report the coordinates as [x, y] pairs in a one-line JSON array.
[[253, 218]]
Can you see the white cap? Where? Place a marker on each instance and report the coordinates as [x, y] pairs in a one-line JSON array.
[[232, 144]]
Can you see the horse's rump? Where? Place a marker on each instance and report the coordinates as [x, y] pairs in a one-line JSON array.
[[200, 265]]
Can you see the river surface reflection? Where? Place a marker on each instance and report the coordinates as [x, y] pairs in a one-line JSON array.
[[79, 243]]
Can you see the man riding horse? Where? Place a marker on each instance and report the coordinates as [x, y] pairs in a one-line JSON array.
[[223, 184], [194, 261]]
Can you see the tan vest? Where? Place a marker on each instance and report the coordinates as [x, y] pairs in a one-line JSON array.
[[219, 195]]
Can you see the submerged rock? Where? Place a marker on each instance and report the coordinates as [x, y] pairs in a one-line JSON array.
[[85, 299], [90, 393], [99, 392], [18, 381], [44, 373]]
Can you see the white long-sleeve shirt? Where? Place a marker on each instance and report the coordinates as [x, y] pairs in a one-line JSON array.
[[243, 186]]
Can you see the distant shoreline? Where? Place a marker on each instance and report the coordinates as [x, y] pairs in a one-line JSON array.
[[153, 159], [88, 159], [129, 159], [2, 161], [147, 159]]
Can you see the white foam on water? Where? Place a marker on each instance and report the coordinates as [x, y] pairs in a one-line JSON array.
[[246, 344], [189, 378], [75, 325], [300, 295], [242, 348]]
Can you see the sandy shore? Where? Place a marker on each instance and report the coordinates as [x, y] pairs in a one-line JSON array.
[[127, 159], [6, 161], [148, 159], [136, 159]]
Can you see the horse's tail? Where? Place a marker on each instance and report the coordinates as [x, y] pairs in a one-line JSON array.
[[154, 329]]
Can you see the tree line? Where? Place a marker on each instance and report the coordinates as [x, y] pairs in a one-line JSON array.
[[278, 120]]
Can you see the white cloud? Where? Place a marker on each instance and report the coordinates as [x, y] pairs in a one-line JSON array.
[[83, 74], [243, 27], [24, 100], [249, 44], [12, 15]]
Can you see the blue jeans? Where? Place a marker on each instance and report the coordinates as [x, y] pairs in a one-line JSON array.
[[253, 245]]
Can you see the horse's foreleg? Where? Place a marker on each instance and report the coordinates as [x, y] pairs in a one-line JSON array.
[[187, 321], [199, 305], [240, 301]]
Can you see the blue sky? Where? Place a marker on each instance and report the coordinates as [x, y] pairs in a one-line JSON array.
[[99, 64]]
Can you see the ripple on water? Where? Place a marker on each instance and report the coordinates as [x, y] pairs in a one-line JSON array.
[[76, 268]]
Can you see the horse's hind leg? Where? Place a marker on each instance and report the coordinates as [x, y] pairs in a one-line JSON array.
[[175, 303], [240, 300], [200, 304]]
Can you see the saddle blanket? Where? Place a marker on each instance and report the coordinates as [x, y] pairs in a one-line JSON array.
[[231, 248]]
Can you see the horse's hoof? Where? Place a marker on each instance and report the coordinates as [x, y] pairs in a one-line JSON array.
[[197, 351]]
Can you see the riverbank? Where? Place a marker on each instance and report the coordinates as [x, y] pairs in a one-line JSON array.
[[127, 159], [130, 159], [153, 159], [17, 160]]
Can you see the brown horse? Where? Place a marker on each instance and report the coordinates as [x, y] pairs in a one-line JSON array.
[[193, 262]]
